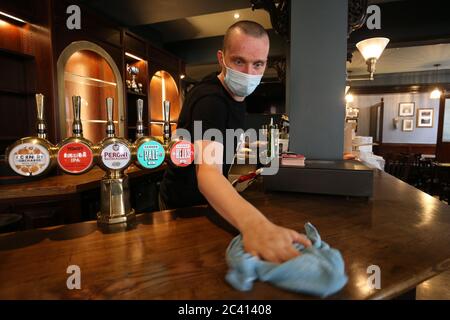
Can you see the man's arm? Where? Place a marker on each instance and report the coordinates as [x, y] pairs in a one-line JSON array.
[[261, 237]]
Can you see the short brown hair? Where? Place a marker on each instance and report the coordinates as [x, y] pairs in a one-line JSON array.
[[248, 27]]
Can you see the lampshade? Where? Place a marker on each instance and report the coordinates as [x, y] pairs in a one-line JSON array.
[[435, 94], [372, 48]]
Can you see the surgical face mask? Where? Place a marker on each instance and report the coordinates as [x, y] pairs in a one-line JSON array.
[[241, 84]]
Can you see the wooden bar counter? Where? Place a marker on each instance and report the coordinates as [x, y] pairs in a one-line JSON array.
[[180, 254], [63, 199], [63, 184]]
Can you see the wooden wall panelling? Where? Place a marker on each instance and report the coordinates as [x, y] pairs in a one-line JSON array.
[[135, 45], [47, 37], [111, 40], [17, 111], [94, 28], [23, 9], [31, 40], [164, 61]]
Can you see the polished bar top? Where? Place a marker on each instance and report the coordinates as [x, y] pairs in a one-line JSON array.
[[63, 184], [180, 254]]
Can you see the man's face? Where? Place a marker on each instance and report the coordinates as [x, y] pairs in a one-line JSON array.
[[245, 53]]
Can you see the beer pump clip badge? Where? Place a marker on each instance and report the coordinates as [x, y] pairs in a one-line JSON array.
[[29, 159], [182, 153], [75, 157], [32, 156], [151, 154], [116, 156]]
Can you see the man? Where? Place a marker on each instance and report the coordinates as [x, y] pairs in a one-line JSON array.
[[218, 101]]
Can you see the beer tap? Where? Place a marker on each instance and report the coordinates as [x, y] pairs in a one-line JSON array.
[[76, 154], [35, 155], [115, 156], [150, 153]]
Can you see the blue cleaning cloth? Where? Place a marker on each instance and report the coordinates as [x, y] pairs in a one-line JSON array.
[[319, 270]]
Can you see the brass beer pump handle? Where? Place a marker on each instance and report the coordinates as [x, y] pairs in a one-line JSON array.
[[140, 109], [166, 129], [139, 124], [41, 127], [40, 106], [110, 129], [166, 111], [77, 128]]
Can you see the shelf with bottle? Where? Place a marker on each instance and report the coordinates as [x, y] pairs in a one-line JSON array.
[[136, 84], [136, 70]]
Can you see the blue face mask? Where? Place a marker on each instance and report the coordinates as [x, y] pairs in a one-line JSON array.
[[241, 84]]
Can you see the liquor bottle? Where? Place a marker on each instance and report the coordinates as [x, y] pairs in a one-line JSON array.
[[33, 156], [150, 153], [115, 153], [76, 154]]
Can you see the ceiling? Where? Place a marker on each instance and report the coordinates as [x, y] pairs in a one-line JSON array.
[[181, 21], [133, 13], [209, 25], [394, 60], [407, 59]]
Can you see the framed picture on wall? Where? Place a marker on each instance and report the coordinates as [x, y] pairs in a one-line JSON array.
[[406, 109], [408, 125], [425, 118]]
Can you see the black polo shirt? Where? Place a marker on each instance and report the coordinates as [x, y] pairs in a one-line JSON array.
[[210, 103]]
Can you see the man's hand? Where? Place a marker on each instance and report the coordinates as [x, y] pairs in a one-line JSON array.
[[261, 237], [272, 243]]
